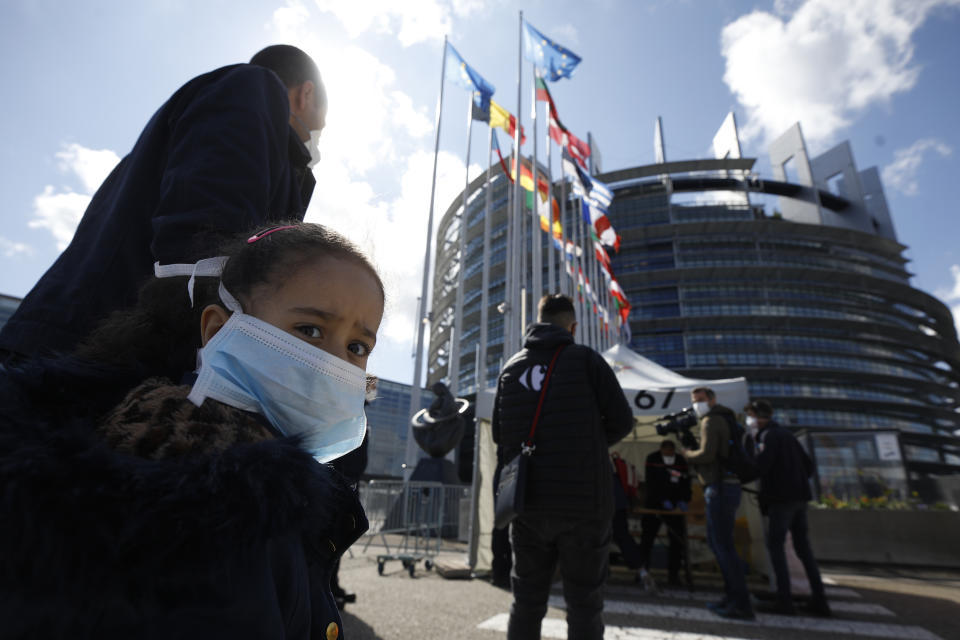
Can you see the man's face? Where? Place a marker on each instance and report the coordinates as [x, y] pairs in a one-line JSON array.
[[308, 108], [666, 452], [316, 112], [699, 397]]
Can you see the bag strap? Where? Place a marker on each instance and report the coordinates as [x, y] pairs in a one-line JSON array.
[[528, 446]]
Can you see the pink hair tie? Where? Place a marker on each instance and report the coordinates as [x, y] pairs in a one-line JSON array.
[[266, 232]]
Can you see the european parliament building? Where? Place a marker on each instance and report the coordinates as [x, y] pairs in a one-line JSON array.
[[795, 281]]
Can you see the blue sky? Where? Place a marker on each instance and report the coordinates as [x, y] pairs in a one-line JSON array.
[[81, 80]]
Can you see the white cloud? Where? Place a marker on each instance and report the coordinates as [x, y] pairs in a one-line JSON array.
[[952, 296], [59, 211], [412, 22], [11, 249], [901, 174], [821, 63], [373, 182]]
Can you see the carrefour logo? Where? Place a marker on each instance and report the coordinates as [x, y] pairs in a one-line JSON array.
[[532, 378]]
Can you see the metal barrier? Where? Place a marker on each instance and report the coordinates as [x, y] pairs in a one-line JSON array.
[[420, 513]]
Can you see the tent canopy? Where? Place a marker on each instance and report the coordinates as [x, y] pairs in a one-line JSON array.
[[654, 391]]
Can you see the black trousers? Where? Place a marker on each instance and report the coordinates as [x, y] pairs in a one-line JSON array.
[[676, 530], [581, 549], [632, 553]]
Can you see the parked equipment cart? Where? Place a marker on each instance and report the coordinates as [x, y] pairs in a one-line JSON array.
[[410, 518]]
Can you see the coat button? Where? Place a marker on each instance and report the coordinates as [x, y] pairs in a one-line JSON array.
[[333, 631]]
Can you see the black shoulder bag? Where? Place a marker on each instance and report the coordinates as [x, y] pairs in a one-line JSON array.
[[511, 489]]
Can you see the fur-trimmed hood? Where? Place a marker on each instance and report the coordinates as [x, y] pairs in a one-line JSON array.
[[159, 492]]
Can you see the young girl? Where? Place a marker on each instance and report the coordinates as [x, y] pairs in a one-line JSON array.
[[197, 506]]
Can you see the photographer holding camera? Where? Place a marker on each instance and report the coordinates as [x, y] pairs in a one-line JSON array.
[[721, 492]]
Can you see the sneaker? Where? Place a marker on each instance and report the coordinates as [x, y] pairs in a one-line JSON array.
[[778, 607], [818, 608], [647, 581], [734, 613]]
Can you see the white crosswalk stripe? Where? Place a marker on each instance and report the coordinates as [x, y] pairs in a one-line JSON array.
[[846, 627], [665, 613], [555, 628], [856, 608]]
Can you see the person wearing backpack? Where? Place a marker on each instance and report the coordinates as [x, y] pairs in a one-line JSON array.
[[721, 491], [784, 469]]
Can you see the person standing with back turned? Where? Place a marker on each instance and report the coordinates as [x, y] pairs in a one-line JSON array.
[[569, 503], [231, 150]]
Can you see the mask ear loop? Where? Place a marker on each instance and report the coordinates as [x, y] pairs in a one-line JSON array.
[[228, 300], [208, 267]]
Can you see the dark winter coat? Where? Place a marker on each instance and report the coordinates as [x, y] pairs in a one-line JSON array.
[[665, 482], [161, 520], [218, 157], [783, 466], [715, 429], [584, 412]]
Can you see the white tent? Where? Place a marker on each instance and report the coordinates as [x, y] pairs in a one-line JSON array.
[[653, 390]]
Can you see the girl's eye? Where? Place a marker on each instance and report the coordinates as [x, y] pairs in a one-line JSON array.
[[359, 349], [310, 331]]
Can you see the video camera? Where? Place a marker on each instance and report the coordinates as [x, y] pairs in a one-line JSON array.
[[680, 424]]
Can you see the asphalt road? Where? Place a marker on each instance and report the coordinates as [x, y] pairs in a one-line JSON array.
[[868, 602]]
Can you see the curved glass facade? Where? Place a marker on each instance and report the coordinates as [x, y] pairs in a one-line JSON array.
[[819, 316]]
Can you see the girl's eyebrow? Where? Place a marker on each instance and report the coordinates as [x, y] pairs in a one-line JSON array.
[[332, 317]]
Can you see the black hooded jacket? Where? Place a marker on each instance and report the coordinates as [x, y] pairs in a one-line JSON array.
[[219, 157], [584, 412], [783, 466], [161, 519]]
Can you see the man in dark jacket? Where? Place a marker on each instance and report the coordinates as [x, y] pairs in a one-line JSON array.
[[569, 502], [784, 469], [721, 492], [667, 482], [226, 152]]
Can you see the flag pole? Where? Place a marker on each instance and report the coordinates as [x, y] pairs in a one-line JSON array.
[[480, 376], [454, 366], [536, 237], [423, 318], [577, 289], [551, 279], [516, 329], [564, 226]]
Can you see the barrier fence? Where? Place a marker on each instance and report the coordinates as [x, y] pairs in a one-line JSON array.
[[411, 518]]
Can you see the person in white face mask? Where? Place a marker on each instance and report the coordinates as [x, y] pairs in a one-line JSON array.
[[667, 482], [721, 492], [198, 507]]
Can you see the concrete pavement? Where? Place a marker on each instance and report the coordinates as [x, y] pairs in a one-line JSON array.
[[868, 602]]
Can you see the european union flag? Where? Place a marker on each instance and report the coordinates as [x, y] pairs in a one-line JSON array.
[[552, 59], [459, 72]]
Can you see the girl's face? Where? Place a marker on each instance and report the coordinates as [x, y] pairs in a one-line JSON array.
[[331, 303]]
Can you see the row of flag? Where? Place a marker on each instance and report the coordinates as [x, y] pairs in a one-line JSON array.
[[552, 62]]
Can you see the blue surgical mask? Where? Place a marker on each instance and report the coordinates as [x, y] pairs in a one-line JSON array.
[[300, 389]]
